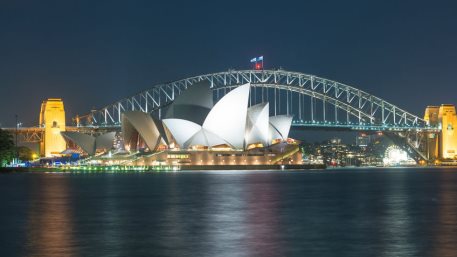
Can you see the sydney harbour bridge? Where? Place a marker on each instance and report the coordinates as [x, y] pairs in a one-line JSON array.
[[314, 102]]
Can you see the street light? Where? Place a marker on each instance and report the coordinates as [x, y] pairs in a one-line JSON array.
[[17, 151]]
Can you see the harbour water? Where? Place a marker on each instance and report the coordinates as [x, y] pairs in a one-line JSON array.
[[345, 212]]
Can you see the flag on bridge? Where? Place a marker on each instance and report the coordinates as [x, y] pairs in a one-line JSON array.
[[258, 62]]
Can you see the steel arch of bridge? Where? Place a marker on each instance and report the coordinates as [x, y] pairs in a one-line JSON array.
[[362, 110]]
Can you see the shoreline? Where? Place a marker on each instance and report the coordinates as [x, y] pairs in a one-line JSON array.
[[208, 168], [166, 168]]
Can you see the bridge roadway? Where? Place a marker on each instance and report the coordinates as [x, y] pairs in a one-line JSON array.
[[35, 134]]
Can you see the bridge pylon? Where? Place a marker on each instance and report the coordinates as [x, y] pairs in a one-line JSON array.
[[52, 119], [432, 139], [448, 137]]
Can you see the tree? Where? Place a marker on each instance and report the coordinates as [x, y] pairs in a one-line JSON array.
[[7, 148], [25, 153]]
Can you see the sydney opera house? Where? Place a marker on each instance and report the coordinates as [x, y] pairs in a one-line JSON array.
[[195, 131]]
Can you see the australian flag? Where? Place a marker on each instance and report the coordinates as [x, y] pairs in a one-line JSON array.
[[258, 62]]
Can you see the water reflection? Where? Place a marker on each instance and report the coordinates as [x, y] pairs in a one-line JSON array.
[[263, 225], [445, 228], [109, 235], [174, 222], [225, 231], [240, 215], [344, 213], [396, 220], [50, 225]]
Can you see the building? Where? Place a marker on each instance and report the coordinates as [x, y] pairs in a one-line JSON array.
[[88, 143], [196, 131], [448, 138], [362, 140], [442, 145], [432, 143], [52, 119]]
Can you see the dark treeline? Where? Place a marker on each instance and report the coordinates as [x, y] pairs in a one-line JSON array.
[[7, 149]]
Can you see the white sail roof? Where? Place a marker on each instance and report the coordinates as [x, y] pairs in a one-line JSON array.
[[181, 130], [273, 133], [205, 138], [227, 119], [192, 104], [84, 141], [136, 121], [105, 141], [229, 122], [257, 127], [187, 133], [280, 127], [88, 143]]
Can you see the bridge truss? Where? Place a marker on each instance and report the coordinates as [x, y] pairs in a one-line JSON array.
[[309, 98], [313, 101]]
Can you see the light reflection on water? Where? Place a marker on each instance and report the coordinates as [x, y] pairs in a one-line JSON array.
[[263, 224], [400, 212], [49, 223], [396, 223], [225, 233], [445, 231]]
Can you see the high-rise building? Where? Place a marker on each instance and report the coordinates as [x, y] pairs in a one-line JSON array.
[[362, 140]]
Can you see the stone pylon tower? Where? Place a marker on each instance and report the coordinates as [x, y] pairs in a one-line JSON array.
[[448, 138], [431, 117], [52, 118]]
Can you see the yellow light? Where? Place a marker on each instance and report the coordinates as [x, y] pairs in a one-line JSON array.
[[52, 118]]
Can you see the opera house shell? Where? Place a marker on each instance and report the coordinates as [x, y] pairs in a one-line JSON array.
[[192, 120], [90, 144], [195, 129]]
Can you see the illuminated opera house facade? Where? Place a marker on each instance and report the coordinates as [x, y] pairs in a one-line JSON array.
[[195, 131]]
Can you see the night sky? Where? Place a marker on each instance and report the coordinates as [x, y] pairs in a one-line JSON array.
[[93, 53]]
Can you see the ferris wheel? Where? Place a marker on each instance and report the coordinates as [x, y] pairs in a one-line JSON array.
[[395, 156]]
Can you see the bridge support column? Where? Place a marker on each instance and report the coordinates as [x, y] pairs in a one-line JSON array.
[[52, 118], [432, 139], [448, 138]]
